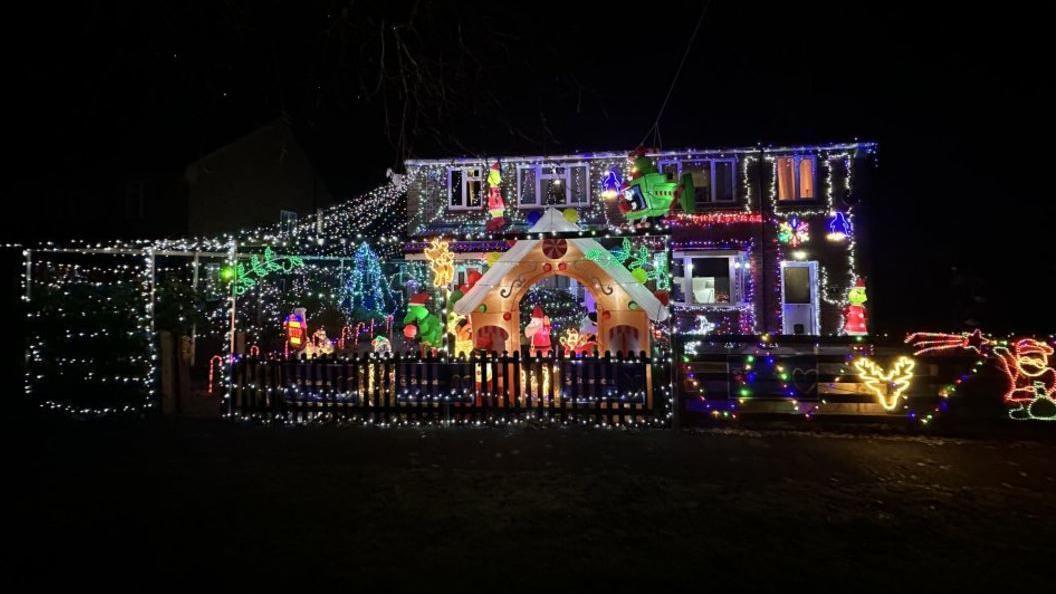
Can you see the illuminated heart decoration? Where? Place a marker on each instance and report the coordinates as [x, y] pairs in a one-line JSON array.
[[805, 380], [887, 386]]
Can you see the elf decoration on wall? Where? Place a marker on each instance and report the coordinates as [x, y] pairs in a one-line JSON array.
[[854, 312], [538, 332], [496, 205], [649, 193], [421, 324]]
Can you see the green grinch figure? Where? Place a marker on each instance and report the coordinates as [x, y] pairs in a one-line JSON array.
[[420, 323], [854, 323]]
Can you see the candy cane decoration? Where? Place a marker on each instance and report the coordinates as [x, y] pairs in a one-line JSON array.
[[345, 333], [388, 326], [372, 328], [215, 359]]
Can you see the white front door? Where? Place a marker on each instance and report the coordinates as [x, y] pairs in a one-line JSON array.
[[799, 297]]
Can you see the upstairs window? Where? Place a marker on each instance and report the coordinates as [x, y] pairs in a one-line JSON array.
[[540, 186], [465, 186], [795, 178], [713, 179]]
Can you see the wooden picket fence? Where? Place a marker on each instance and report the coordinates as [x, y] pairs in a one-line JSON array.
[[484, 387]]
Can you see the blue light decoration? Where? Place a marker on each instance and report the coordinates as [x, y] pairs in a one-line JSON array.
[[840, 227], [367, 288], [612, 184]]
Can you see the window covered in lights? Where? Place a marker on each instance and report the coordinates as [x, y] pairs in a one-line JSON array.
[[795, 178], [708, 277], [561, 185], [465, 187], [713, 179]]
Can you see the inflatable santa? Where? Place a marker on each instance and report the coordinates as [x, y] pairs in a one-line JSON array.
[[538, 332]]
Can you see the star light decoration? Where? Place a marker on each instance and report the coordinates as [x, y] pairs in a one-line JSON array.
[[931, 342]]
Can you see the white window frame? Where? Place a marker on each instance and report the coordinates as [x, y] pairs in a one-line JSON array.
[[541, 173], [738, 267], [466, 180], [815, 302], [711, 175], [796, 160]]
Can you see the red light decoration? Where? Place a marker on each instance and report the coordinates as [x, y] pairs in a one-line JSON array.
[[212, 366], [931, 342], [1027, 367], [555, 248], [715, 218]]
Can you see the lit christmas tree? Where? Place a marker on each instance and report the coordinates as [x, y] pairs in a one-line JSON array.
[[369, 294]]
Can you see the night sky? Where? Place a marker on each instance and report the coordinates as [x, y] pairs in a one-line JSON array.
[[962, 213]]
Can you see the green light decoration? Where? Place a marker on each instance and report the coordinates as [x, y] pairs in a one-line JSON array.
[[242, 279], [1041, 408], [650, 193], [643, 266], [659, 272]]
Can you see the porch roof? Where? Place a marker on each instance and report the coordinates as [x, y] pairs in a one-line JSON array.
[[554, 221]]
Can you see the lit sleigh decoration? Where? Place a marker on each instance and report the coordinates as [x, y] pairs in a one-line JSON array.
[[1030, 392]]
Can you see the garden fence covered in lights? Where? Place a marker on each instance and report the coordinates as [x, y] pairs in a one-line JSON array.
[[594, 288]]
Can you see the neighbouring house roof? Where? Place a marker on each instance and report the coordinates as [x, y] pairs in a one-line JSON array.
[[554, 221]]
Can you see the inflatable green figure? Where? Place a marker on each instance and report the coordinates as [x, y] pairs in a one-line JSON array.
[[650, 194], [428, 330]]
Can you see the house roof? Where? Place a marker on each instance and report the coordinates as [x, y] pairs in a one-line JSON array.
[[553, 221], [701, 152]]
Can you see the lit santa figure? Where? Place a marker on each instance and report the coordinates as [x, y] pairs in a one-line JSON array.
[[538, 332], [496, 205], [854, 312]]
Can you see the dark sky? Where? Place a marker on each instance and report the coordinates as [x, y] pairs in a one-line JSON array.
[[98, 92]]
